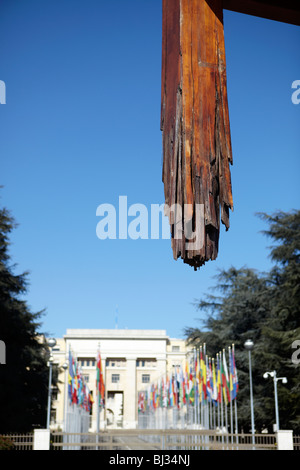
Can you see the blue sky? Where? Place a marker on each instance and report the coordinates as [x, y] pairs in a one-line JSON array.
[[81, 127]]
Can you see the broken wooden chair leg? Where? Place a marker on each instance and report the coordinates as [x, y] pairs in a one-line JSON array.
[[195, 123]]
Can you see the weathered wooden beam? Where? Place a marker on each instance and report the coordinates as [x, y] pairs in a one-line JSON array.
[[195, 123], [286, 11]]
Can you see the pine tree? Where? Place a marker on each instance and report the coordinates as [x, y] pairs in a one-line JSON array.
[[24, 377], [265, 308], [284, 324]]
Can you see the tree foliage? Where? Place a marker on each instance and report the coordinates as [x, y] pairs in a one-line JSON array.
[[264, 307], [24, 377]]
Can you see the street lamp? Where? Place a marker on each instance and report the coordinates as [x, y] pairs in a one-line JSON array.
[[275, 378], [65, 368], [249, 346], [51, 344]]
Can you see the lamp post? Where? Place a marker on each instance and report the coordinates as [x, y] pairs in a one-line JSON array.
[[249, 346], [51, 344], [65, 368], [275, 378]]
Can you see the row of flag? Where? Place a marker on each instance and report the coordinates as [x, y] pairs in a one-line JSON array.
[[78, 390], [202, 379]]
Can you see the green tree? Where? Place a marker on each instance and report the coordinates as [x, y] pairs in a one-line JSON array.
[[265, 308], [283, 327], [24, 377]]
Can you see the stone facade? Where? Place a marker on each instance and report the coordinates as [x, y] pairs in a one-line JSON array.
[[131, 359]]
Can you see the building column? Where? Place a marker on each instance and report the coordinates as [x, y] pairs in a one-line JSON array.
[[130, 396]]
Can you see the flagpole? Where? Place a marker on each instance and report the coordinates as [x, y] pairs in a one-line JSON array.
[[218, 402], [66, 429], [222, 407], [199, 390], [98, 356], [205, 387], [225, 392], [195, 390], [235, 395], [207, 400], [66, 408], [236, 419], [218, 414], [98, 416], [215, 393], [231, 390], [211, 395], [98, 396]]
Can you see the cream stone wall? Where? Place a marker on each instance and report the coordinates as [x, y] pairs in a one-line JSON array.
[[130, 360]]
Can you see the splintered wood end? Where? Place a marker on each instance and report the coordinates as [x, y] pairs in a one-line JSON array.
[[197, 149]]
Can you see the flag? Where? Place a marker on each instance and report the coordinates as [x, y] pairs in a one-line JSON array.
[[161, 393], [171, 397], [100, 387], [230, 374], [88, 400], [153, 391], [180, 386], [184, 386], [196, 377], [72, 380], [225, 379], [148, 395], [70, 377], [174, 390], [164, 393], [141, 402], [219, 381], [167, 391], [203, 372], [209, 379], [80, 387], [214, 381], [235, 382], [156, 396], [190, 384], [78, 391]]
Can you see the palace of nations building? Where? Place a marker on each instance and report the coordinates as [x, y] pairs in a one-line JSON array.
[[131, 359]]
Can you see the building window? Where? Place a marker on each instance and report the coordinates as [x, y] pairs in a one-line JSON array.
[[115, 378], [118, 362], [145, 378], [53, 416], [86, 378], [54, 393], [146, 362], [87, 362], [175, 348]]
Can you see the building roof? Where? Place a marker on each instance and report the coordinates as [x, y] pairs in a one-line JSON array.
[[115, 333]]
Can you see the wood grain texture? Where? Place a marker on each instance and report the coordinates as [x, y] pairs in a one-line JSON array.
[[195, 123]]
